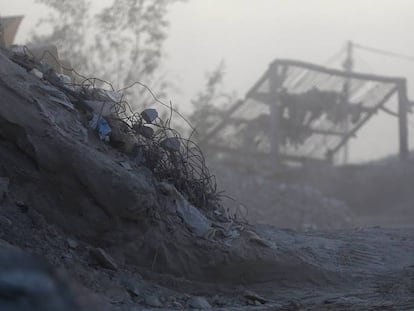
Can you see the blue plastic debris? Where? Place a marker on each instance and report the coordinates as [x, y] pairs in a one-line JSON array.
[[103, 129]]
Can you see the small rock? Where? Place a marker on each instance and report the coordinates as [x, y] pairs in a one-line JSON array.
[[220, 301], [72, 243], [177, 305], [4, 221], [103, 258], [22, 205], [171, 144], [198, 303], [117, 294], [254, 297], [149, 115], [132, 283], [153, 301], [254, 237], [146, 131], [37, 73]]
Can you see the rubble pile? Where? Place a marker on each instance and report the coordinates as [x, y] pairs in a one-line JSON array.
[[143, 136], [125, 191], [285, 205]]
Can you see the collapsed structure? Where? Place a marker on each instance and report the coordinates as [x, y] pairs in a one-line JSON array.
[[302, 112]]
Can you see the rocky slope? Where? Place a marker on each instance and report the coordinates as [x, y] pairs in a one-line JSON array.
[[111, 236]]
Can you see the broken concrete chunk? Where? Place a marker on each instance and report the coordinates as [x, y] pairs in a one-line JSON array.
[[149, 115], [254, 297], [65, 79], [153, 301], [36, 72], [103, 258], [146, 131], [199, 303], [195, 220], [171, 144], [72, 243], [254, 237], [192, 217]]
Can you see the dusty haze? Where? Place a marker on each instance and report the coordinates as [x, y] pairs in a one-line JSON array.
[[248, 35]]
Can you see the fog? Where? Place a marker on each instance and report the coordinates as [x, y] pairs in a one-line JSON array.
[[249, 35], [207, 154]]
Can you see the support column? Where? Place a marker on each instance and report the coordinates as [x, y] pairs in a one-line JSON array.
[[274, 89], [348, 66], [402, 119]]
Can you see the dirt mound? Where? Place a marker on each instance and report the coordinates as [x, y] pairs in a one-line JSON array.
[[125, 238]]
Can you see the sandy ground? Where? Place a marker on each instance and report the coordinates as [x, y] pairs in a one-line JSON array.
[[358, 269]]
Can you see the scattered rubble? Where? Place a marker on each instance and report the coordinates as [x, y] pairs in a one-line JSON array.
[[139, 207], [72, 243], [199, 303], [153, 301]]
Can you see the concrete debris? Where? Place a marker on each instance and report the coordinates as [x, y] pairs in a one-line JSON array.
[[145, 131], [153, 301], [66, 80], [37, 73], [254, 297], [103, 258], [72, 243], [254, 237], [192, 217], [199, 303], [149, 115], [171, 144]]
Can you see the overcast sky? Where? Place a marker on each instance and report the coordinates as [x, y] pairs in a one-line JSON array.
[[249, 34]]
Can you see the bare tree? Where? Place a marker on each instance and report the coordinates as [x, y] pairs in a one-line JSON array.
[[122, 43]]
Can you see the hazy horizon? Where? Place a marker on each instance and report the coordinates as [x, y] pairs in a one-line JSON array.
[[248, 35]]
